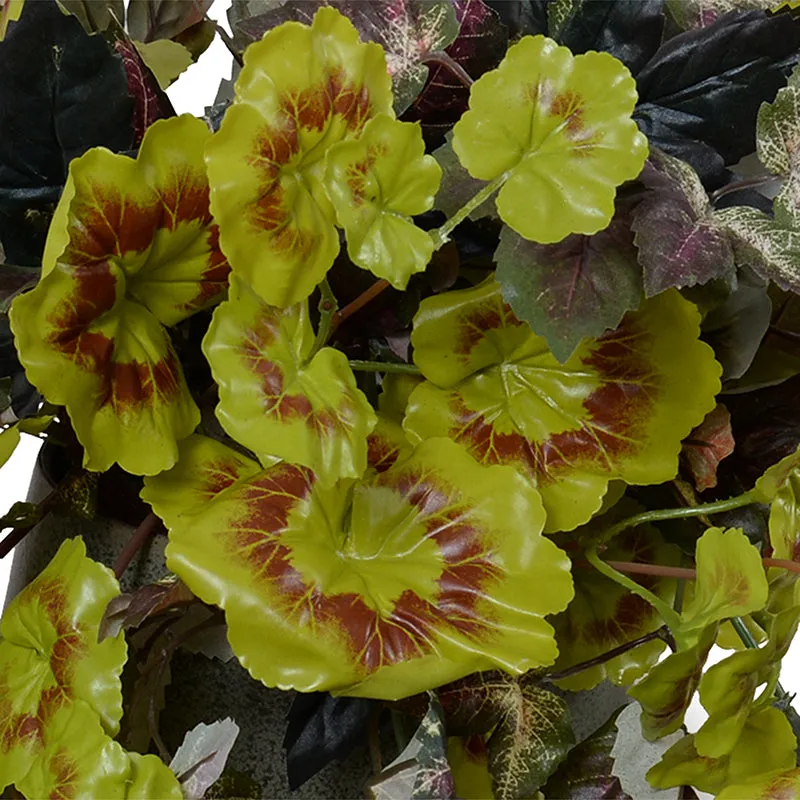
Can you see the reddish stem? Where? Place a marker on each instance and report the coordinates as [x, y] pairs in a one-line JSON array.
[[664, 571], [792, 566], [356, 305], [135, 543]]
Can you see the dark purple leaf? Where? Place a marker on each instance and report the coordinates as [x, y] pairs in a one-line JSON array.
[[581, 286], [707, 445], [678, 238]]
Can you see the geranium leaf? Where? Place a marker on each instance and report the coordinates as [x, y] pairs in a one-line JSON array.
[[132, 248], [458, 186], [532, 738], [781, 483], [200, 759], [386, 443], [730, 579], [536, 119], [739, 62], [407, 579], [784, 784], [376, 184], [580, 287], [767, 744], [50, 659], [667, 690], [604, 615], [276, 402], [266, 163], [75, 99], [707, 445], [602, 415], [776, 478], [679, 240]]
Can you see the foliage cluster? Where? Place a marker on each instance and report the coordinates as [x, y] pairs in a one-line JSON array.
[[417, 346]]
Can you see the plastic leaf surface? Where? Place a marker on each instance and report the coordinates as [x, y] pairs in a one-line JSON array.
[[276, 402], [682, 764], [539, 119], [783, 784], [376, 184], [50, 660], [202, 756], [132, 248], [709, 443], [266, 164], [618, 408], [383, 587]]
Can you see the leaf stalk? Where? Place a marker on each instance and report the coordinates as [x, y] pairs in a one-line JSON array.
[[385, 366], [442, 235]]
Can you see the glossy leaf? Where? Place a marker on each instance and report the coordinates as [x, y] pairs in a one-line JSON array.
[[777, 477], [679, 240], [604, 615], [165, 59], [376, 184], [132, 248], [709, 443], [408, 30], [784, 510], [200, 759], [50, 660], [587, 772], [580, 287], [700, 93], [667, 690], [74, 99], [537, 120], [266, 163], [469, 766], [730, 580], [784, 784], [682, 764], [277, 402], [617, 409], [412, 577]]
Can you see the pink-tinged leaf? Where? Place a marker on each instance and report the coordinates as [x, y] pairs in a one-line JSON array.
[[382, 587], [707, 445], [200, 759]]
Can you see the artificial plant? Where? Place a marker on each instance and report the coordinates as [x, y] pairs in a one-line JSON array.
[[441, 349]]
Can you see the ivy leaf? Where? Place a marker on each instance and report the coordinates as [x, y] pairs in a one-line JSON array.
[[604, 615], [376, 184], [378, 588], [631, 32], [730, 580], [783, 783], [51, 661], [667, 690], [700, 93], [578, 288], [707, 445], [75, 99], [586, 774], [200, 760], [532, 738], [680, 241], [767, 744], [132, 248], [624, 401], [537, 120], [276, 401], [266, 163], [421, 771]]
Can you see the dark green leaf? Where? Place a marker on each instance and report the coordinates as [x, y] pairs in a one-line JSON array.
[[521, 17], [149, 20], [62, 92], [24, 397], [579, 287], [700, 93], [96, 15], [458, 186]]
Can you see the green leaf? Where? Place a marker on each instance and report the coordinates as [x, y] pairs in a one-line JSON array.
[[376, 184], [96, 16], [617, 409], [9, 439], [730, 580], [780, 487], [667, 690], [784, 784], [275, 401], [132, 248], [767, 744], [575, 289], [532, 738], [149, 20], [605, 615], [266, 164], [11, 11], [51, 661], [469, 767], [557, 127], [165, 59], [679, 240], [382, 587]]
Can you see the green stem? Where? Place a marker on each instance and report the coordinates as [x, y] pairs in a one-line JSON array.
[[327, 311], [668, 614], [385, 366], [716, 507], [750, 643], [442, 235]]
